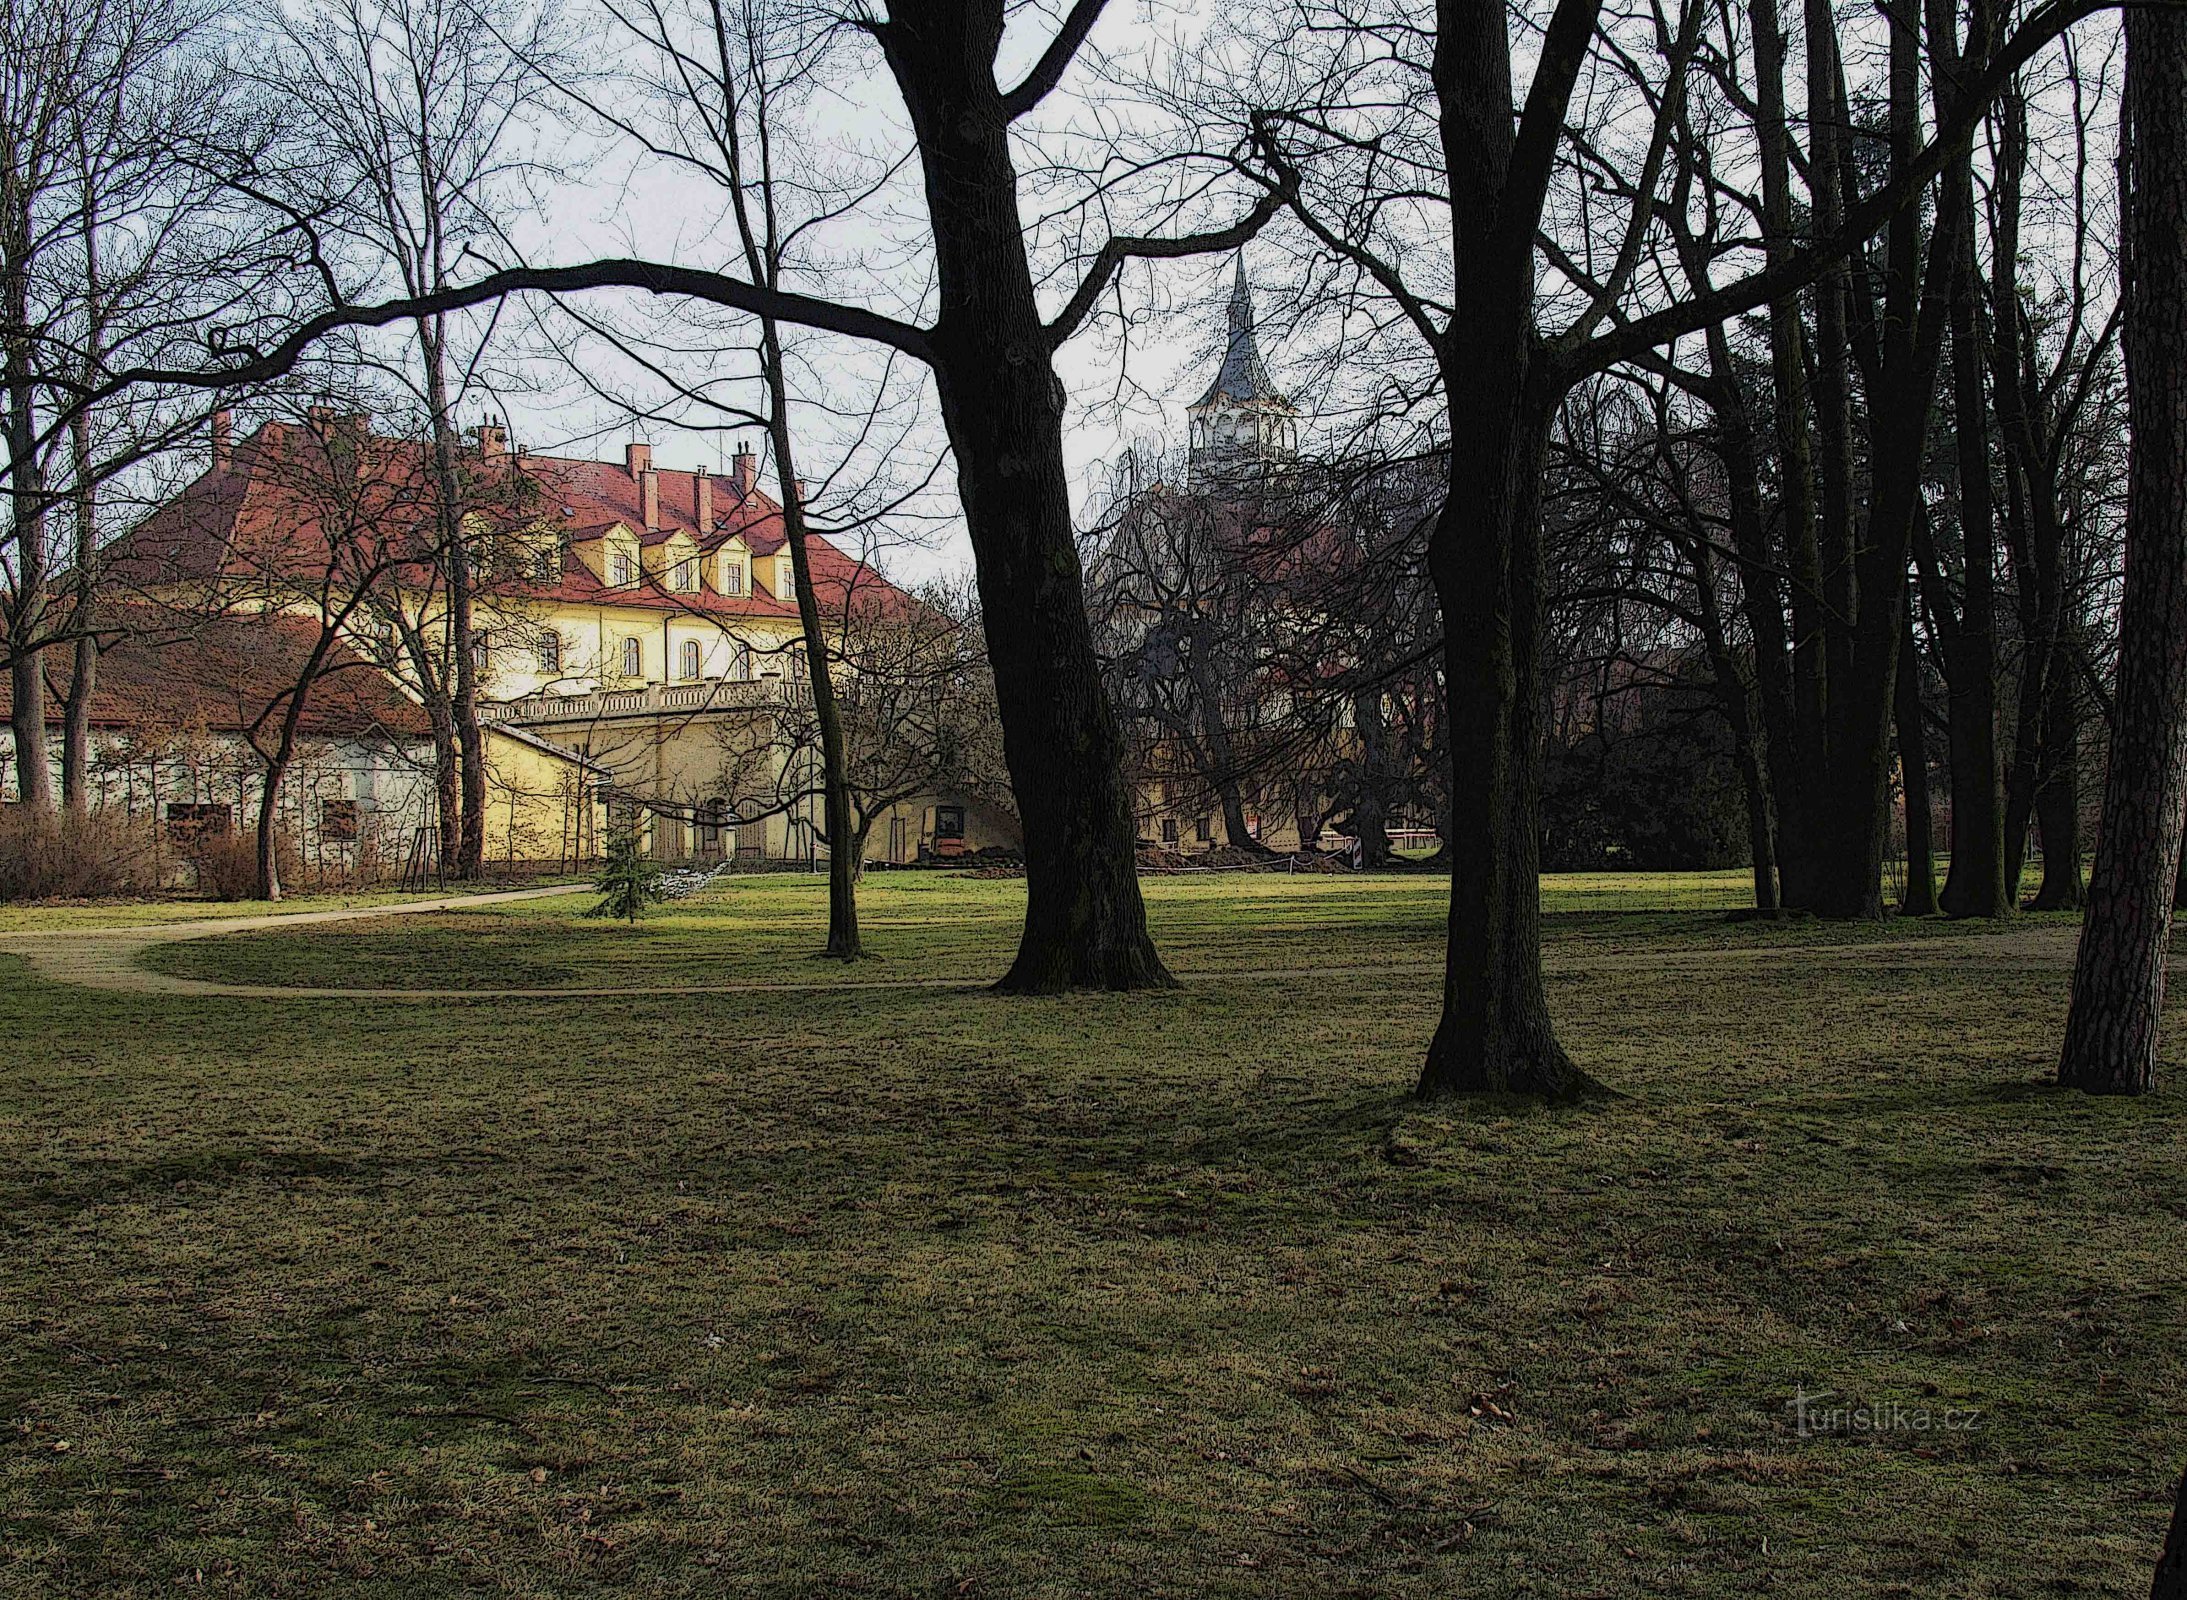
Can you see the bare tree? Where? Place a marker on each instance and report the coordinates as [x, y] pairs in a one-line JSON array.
[[114, 242], [410, 148]]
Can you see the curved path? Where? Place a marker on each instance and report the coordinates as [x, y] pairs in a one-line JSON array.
[[108, 958]]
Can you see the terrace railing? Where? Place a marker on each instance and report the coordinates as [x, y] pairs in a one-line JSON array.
[[653, 700]]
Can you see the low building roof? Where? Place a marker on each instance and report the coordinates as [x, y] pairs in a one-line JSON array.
[[162, 671]]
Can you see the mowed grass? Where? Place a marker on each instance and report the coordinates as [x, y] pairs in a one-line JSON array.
[[922, 1291]]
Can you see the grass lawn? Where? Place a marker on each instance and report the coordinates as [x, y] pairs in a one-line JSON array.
[[923, 1292]]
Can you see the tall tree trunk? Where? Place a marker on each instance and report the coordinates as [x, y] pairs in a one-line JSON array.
[[1788, 703], [2118, 976], [1370, 809], [1901, 345], [1975, 886], [84, 668], [1495, 1033], [1919, 897], [27, 722], [269, 802], [2058, 798], [469, 861], [1002, 404], [846, 841]]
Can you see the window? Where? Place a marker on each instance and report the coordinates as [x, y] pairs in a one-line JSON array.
[[633, 659], [338, 821], [482, 649], [547, 564], [189, 824], [550, 652], [1169, 830], [686, 577], [732, 577], [1204, 830], [949, 822], [690, 660], [624, 569]]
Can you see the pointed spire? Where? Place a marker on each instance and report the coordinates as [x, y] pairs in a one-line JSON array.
[[1241, 307], [1241, 376]]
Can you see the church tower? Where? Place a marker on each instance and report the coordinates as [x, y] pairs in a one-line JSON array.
[[1243, 426]]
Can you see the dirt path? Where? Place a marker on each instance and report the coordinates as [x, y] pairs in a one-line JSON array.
[[109, 958], [106, 958]]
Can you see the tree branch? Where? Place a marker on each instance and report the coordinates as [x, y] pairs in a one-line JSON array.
[[652, 277], [1054, 61], [1125, 247]]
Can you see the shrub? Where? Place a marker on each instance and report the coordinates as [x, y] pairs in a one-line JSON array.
[[626, 880], [48, 856], [226, 866]]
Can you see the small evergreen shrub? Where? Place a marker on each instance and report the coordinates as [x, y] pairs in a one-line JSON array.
[[627, 881]]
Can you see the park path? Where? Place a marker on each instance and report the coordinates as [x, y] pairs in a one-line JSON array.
[[110, 959]]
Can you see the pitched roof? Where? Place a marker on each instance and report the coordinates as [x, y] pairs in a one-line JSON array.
[[163, 671], [1242, 377], [291, 502]]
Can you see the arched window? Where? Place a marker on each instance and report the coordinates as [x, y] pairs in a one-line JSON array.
[[633, 659], [740, 663], [690, 660]]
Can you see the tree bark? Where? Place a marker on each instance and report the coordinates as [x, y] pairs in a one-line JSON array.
[[2118, 976], [27, 722], [2058, 798], [2170, 1582], [1919, 896], [846, 841], [1495, 1033], [1002, 405], [469, 861], [1370, 809], [1975, 886]]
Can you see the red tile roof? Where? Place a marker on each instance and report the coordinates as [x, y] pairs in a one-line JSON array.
[[269, 512], [165, 672]]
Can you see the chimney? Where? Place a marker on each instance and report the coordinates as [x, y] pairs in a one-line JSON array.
[[702, 496], [493, 441], [649, 496], [638, 458], [744, 467], [223, 439]]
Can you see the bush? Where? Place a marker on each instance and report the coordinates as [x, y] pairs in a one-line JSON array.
[[59, 857], [626, 880]]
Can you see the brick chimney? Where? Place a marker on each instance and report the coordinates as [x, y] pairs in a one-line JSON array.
[[744, 467], [702, 502], [649, 497], [222, 428], [638, 458], [493, 440]]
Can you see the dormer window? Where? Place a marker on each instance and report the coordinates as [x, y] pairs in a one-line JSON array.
[[685, 578], [624, 569], [732, 577], [547, 563]]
